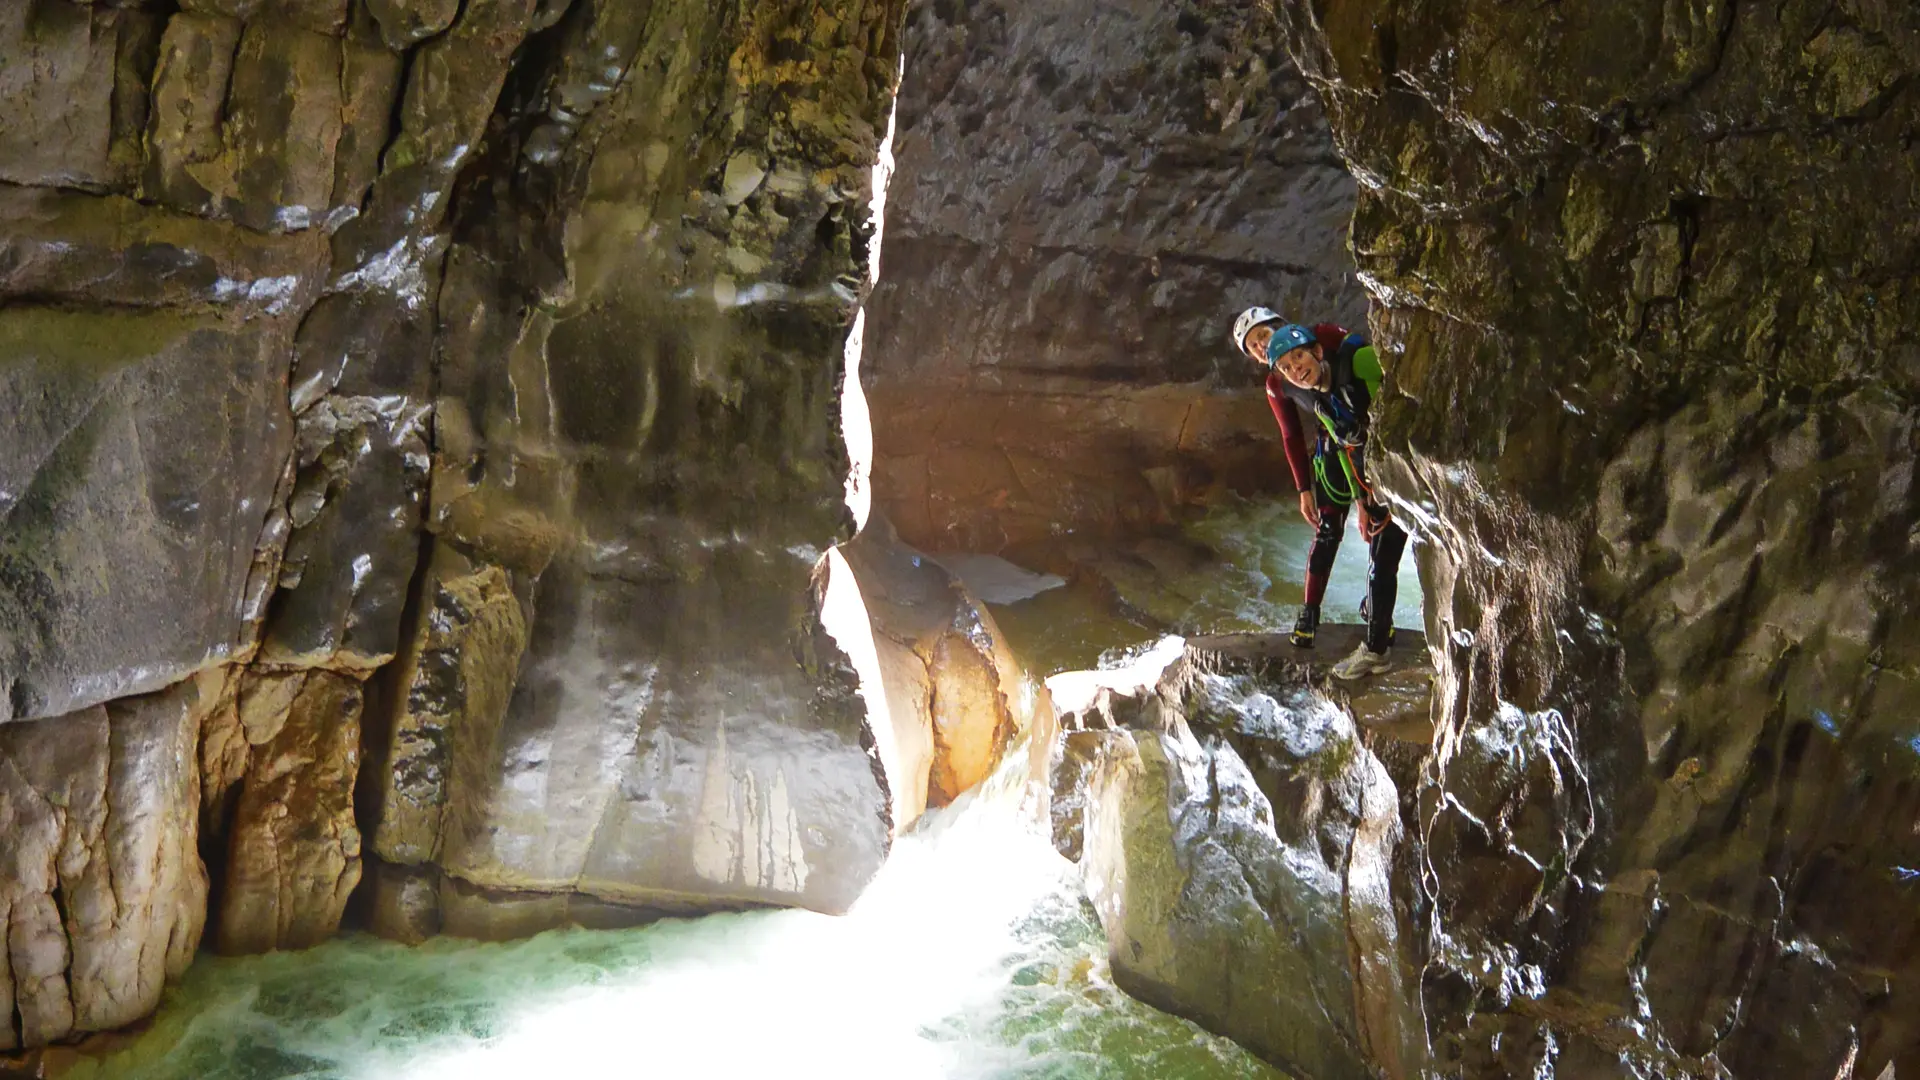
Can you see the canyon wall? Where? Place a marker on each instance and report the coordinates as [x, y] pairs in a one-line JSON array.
[[422, 434], [1643, 278], [1086, 194]]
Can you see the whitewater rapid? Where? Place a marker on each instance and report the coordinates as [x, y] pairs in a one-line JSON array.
[[972, 955]]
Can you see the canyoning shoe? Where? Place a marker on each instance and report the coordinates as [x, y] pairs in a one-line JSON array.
[[1304, 628], [1362, 663]]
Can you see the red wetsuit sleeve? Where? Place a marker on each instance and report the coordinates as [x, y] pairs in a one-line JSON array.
[[1292, 436], [1330, 335]]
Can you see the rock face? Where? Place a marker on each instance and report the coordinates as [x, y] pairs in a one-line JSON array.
[[102, 895], [454, 380], [954, 697], [1085, 196], [131, 523], [1240, 843], [1644, 284], [294, 849], [636, 467]]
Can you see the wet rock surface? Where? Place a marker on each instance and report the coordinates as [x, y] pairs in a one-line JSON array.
[[1644, 288], [1241, 842], [458, 382], [1085, 196], [956, 698], [102, 894], [463, 375], [294, 848]]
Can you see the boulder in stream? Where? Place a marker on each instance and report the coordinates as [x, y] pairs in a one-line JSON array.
[[1239, 841]]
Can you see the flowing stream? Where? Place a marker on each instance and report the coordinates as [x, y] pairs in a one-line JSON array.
[[972, 955]]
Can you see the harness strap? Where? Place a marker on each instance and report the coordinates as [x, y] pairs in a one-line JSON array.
[[1354, 485]]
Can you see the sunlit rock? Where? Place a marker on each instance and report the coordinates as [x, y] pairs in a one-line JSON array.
[[293, 848], [1239, 840], [102, 893], [956, 696]]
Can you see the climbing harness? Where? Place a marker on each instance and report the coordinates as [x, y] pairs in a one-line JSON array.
[[1352, 485]]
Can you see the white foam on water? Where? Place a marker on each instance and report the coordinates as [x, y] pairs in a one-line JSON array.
[[970, 956]]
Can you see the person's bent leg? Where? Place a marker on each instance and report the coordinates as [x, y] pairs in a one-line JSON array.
[[1326, 544], [1383, 584]]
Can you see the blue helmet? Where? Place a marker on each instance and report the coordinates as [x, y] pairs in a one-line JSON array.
[[1286, 339]]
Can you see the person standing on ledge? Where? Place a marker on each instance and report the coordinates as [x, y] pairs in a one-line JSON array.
[[1328, 378]]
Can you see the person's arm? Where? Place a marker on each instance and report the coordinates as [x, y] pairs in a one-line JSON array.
[[1293, 436], [1366, 367]]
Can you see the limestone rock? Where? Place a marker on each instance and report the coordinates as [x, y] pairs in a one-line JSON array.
[[668, 469], [475, 913], [666, 783], [403, 22], [1084, 198], [190, 86], [58, 87], [282, 128], [404, 901], [955, 695], [1079, 756], [355, 511], [130, 532], [370, 75], [83, 249], [298, 308], [457, 678], [102, 893], [293, 854], [1668, 818], [1240, 849]]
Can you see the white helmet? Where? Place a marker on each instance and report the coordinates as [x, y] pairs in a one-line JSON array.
[[1250, 318]]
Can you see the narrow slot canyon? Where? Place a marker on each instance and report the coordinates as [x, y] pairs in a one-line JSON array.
[[646, 538]]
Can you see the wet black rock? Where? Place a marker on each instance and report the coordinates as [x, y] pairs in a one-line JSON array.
[[1643, 279]]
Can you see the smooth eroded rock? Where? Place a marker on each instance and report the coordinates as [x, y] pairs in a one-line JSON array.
[[293, 852], [130, 528], [102, 893], [1239, 841]]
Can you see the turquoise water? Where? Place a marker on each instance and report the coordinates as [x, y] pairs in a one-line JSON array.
[[972, 956]]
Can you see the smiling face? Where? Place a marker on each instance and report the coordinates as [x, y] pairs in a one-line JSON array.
[[1303, 367], [1255, 345]]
